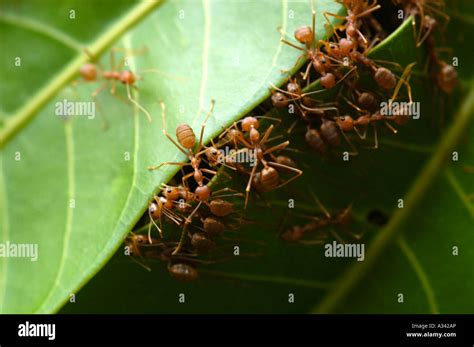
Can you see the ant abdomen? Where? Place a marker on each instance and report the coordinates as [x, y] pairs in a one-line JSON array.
[[385, 78], [328, 80], [88, 72], [201, 242], [447, 78], [185, 136], [183, 272], [286, 161], [304, 35], [314, 140], [269, 178], [221, 208], [329, 133], [367, 101], [213, 226]]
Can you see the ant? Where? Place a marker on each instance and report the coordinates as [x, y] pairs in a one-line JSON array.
[[343, 218], [318, 59], [269, 177], [370, 116], [356, 9], [94, 72], [179, 265], [445, 75], [215, 203], [186, 142], [420, 8]]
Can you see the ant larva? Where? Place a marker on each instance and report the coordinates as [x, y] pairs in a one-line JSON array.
[[95, 72]]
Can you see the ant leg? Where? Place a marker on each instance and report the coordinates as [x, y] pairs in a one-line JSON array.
[[137, 104], [354, 150], [204, 125], [183, 233], [140, 263], [249, 185], [320, 204], [391, 127], [306, 72], [405, 80], [291, 44], [163, 108], [297, 172], [376, 139], [94, 94], [292, 126], [156, 226], [209, 171], [285, 91], [276, 148], [267, 134], [368, 11], [334, 29], [167, 163]]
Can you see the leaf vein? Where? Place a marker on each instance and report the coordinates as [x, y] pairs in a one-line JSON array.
[[420, 272]]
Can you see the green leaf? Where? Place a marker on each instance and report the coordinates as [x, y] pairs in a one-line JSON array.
[[412, 255], [67, 186]]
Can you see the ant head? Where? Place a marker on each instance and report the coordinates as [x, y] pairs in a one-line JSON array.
[[88, 72], [127, 77], [250, 123], [346, 123], [279, 100], [140, 238], [294, 88], [154, 210], [346, 46], [304, 35], [171, 193]]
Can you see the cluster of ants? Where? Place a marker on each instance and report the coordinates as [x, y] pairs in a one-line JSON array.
[[343, 60], [204, 214]]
